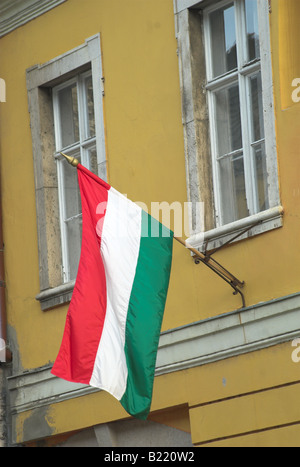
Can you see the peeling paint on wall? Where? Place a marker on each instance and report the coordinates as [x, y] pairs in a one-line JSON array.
[[33, 425]]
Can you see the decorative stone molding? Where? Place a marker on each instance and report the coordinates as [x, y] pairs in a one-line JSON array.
[[40, 79], [231, 334], [16, 13]]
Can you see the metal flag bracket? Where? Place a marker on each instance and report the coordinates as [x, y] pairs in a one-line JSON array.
[[205, 258], [215, 266]]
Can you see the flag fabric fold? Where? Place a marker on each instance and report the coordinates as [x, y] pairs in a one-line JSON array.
[[113, 323]]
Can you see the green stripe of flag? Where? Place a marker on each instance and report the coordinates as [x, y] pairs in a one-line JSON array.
[[145, 314]]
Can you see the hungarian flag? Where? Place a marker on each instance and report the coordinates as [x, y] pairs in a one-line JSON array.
[[114, 319]]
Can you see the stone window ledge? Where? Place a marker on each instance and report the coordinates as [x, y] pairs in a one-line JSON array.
[[261, 222], [56, 296]]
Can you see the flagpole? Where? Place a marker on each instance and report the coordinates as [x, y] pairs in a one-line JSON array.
[[72, 160], [200, 257], [216, 267], [207, 259], [193, 250]]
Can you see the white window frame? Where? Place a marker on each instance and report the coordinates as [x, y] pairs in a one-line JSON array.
[[82, 147], [83, 121], [41, 79], [240, 77], [271, 218]]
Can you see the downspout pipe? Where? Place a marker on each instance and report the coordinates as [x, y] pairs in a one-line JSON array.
[[3, 317]]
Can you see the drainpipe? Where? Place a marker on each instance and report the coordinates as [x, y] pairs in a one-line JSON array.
[[3, 319]]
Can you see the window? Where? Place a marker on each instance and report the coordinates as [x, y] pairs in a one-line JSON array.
[[234, 90], [75, 135], [228, 117], [65, 97]]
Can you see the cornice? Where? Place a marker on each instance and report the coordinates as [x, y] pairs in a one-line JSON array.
[[16, 13], [229, 335]]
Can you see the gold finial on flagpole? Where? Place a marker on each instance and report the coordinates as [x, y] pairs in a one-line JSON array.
[[71, 160]]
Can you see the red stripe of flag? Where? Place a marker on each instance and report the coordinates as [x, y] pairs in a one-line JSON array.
[[86, 314]]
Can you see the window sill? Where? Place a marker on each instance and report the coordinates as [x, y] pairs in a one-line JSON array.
[[268, 220], [57, 296]]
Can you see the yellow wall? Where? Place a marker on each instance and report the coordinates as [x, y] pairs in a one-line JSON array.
[[145, 151], [249, 400], [289, 54], [144, 135], [144, 148]]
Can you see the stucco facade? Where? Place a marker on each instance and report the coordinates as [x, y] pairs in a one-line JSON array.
[[225, 375]]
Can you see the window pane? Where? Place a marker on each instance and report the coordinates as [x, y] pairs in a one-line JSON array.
[[261, 177], [257, 108], [252, 29], [229, 132], [233, 191], [74, 232], [90, 107], [70, 190], [68, 109], [93, 164], [223, 37]]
